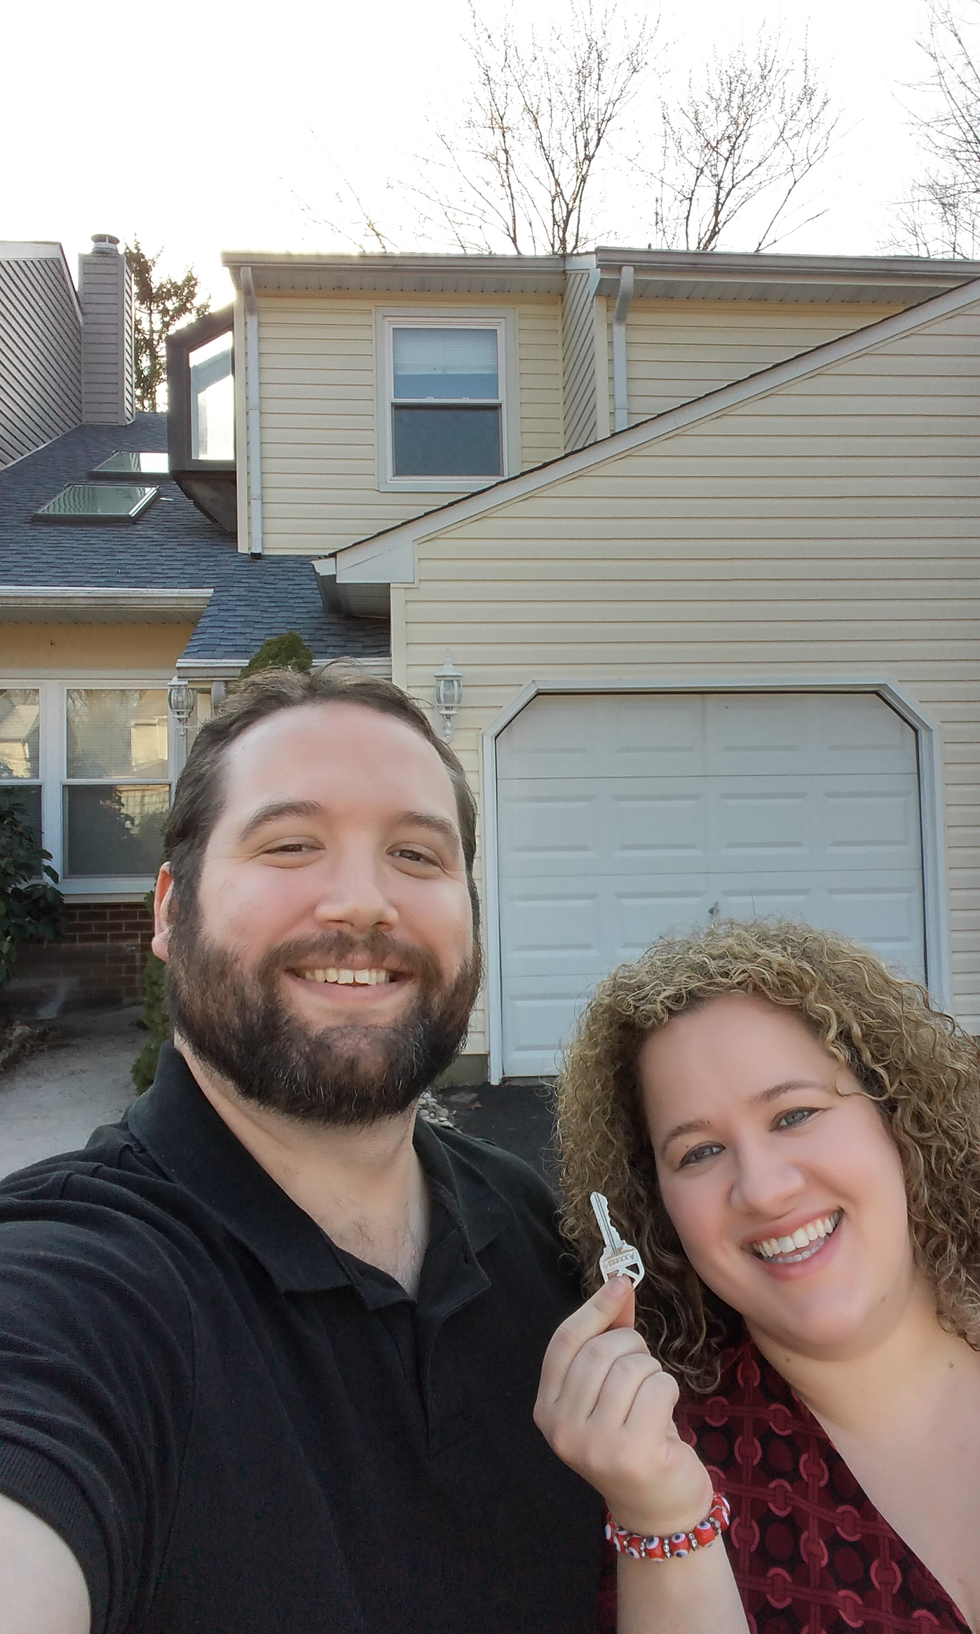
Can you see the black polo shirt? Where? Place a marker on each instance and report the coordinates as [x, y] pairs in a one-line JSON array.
[[238, 1429]]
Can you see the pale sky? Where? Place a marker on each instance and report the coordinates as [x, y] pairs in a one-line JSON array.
[[236, 126]]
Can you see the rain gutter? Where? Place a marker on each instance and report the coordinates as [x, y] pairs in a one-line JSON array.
[[253, 414], [621, 401]]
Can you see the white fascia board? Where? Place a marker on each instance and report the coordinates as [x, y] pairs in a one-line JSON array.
[[378, 561], [400, 274], [387, 548], [228, 669], [97, 604], [754, 269]]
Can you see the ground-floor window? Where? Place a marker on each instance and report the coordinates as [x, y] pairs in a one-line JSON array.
[[94, 766]]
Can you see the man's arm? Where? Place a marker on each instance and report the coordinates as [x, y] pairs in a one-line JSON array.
[[42, 1588]]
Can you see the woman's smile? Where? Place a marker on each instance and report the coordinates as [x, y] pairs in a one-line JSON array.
[[792, 1248]]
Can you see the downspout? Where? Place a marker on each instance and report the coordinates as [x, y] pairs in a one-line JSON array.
[[621, 397], [253, 414]]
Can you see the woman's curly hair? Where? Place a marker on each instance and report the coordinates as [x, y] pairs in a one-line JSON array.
[[918, 1066]]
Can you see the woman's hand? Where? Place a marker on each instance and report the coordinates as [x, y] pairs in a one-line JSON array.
[[606, 1407]]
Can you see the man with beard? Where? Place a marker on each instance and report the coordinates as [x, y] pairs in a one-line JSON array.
[[269, 1347]]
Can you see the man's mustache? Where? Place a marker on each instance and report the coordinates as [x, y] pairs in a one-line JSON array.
[[377, 949]]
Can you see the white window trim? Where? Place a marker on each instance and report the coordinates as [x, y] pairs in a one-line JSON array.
[[53, 731], [931, 810], [389, 318]]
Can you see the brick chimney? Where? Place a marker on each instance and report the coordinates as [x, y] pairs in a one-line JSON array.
[[105, 291]]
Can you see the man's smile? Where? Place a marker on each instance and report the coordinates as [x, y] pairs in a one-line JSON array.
[[348, 978]]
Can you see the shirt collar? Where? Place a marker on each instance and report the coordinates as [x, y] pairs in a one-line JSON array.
[[183, 1133]]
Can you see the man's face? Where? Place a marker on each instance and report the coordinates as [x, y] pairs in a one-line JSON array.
[[327, 968]]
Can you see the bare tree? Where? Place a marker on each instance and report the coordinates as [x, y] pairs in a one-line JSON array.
[[743, 139], [545, 122], [941, 214], [521, 172]]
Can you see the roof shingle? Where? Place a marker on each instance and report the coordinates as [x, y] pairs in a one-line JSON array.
[[172, 547]]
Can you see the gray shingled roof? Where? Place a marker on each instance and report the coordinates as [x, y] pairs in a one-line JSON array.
[[172, 547]]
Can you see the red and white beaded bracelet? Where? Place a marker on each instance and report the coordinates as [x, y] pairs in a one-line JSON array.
[[678, 1544]]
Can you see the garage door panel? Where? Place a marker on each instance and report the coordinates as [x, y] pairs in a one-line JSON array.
[[815, 823], [542, 1017], [810, 823], [886, 913], [865, 733], [542, 930], [562, 929], [820, 733], [641, 915], [566, 823], [656, 825], [759, 735], [871, 823], [889, 917], [762, 823], [600, 821], [615, 829], [606, 735]]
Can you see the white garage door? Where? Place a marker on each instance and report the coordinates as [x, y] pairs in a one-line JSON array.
[[621, 816]]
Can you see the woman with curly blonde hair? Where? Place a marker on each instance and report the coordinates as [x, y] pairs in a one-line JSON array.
[[791, 1137]]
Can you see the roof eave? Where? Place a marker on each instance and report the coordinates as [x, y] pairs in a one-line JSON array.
[[720, 275], [401, 274], [100, 604]]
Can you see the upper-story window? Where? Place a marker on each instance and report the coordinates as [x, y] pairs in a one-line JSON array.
[[444, 409]]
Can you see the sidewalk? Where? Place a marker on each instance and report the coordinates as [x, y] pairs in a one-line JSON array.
[[52, 1101]]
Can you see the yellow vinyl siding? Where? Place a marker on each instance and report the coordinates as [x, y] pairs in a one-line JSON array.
[[826, 529], [679, 350], [317, 366], [128, 648]]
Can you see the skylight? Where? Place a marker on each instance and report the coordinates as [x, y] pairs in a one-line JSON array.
[[97, 502], [143, 464]]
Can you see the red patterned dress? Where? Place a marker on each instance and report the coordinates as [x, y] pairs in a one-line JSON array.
[[810, 1552]]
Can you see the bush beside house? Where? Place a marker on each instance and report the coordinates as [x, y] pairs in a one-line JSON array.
[[32, 909]]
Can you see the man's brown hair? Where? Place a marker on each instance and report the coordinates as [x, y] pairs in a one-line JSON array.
[[198, 795]]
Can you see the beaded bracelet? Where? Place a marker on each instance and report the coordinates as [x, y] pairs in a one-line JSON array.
[[678, 1544]]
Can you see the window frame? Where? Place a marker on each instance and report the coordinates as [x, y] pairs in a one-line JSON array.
[[52, 766], [390, 319]]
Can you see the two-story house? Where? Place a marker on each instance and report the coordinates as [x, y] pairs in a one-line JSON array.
[[696, 534], [699, 534]]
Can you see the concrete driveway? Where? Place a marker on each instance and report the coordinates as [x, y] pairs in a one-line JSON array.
[[52, 1101]]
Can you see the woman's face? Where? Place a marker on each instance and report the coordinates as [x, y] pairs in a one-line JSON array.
[[782, 1181]]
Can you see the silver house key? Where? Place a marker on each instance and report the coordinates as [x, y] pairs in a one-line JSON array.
[[618, 1258]]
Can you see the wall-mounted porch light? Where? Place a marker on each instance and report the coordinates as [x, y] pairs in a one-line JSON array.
[[448, 693], [181, 700]]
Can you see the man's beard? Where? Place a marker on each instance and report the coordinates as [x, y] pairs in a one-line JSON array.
[[350, 1074]]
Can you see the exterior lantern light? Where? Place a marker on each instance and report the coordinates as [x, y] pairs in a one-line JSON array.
[[181, 699], [448, 694]]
